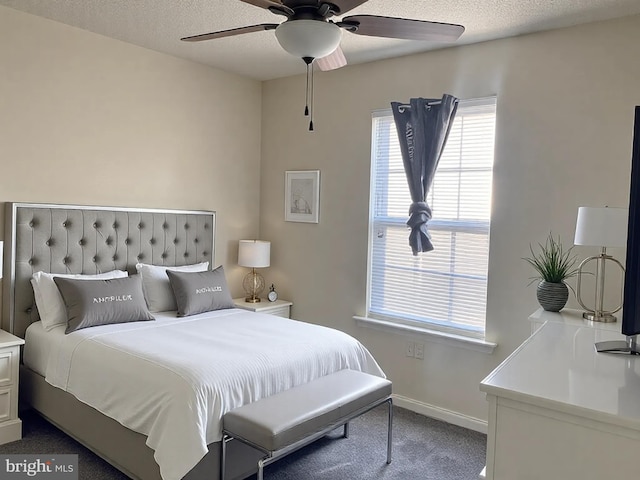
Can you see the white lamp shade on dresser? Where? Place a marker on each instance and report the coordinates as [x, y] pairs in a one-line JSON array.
[[254, 253], [602, 227]]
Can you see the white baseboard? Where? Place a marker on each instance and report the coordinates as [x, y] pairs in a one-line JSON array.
[[441, 414]]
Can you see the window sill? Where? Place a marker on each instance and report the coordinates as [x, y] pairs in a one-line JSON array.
[[436, 336]]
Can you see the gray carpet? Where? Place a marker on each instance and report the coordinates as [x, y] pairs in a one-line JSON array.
[[423, 449]]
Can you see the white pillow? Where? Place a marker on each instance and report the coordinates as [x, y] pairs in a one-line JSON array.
[[48, 299], [156, 286]]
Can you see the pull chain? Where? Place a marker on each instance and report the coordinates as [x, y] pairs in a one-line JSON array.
[[308, 108], [311, 100], [306, 98]]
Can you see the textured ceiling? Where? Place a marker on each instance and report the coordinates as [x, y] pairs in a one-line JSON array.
[[159, 25]]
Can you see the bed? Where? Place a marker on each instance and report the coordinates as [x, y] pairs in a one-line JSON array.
[[211, 361]]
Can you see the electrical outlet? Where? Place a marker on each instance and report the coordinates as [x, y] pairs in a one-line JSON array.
[[418, 351], [410, 349]]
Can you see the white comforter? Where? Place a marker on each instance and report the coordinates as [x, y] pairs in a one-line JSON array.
[[173, 379]]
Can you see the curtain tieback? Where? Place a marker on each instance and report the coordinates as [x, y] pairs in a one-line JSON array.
[[419, 238], [419, 213]]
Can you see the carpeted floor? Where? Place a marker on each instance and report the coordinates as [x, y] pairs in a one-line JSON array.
[[423, 449]]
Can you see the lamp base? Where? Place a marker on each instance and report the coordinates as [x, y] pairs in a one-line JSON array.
[[599, 317], [253, 285]]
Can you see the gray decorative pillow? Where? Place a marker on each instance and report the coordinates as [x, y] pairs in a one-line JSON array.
[[198, 292], [90, 303]]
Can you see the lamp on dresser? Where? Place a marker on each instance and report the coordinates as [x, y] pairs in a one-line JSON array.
[[254, 254], [600, 227]]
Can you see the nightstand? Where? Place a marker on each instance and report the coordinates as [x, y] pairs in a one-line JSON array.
[[281, 308], [10, 424]]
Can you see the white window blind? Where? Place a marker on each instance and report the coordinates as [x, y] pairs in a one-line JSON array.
[[446, 287]]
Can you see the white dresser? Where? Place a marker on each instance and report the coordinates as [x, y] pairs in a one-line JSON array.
[[559, 410]]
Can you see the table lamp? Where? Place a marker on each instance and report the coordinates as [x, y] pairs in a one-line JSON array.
[[600, 227], [253, 254]]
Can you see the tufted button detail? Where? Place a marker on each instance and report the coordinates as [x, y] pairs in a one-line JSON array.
[[115, 258], [195, 240], [206, 226], [30, 261], [152, 241], [108, 241], [165, 225], [48, 243], [82, 242], [186, 226], [140, 257], [31, 224], [96, 224], [186, 254], [164, 255], [127, 241], [175, 241], [29, 310], [66, 260], [140, 225], [115, 225], [66, 224], [205, 253], [94, 259]]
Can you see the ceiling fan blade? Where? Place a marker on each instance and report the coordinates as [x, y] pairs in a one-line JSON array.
[[231, 32], [332, 61], [403, 28], [346, 5]]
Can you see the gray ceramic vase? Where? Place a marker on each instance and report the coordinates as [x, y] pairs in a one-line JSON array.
[[552, 297]]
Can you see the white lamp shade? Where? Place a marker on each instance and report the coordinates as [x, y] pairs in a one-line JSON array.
[[308, 38], [254, 253], [602, 227]]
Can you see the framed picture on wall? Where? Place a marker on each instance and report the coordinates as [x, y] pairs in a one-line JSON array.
[[302, 196]]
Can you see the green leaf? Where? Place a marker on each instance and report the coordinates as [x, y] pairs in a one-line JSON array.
[[551, 262]]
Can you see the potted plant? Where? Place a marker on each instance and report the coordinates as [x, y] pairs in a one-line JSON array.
[[553, 266]]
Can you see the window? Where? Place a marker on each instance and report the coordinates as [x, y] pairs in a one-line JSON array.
[[447, 287]]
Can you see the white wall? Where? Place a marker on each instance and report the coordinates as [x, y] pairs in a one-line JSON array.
[[85, 119], [564, 132]]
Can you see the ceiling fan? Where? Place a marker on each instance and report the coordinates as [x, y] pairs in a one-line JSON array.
[[308, 33]]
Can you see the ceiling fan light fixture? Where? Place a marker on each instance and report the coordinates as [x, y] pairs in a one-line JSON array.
[[308, 38]]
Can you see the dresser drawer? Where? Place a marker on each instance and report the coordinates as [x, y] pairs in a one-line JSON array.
[[8, 366], [5, 404]]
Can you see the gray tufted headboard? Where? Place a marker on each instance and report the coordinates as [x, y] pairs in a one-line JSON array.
[[77, 239]]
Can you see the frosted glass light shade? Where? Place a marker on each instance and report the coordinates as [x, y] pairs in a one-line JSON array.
[[308, 38], [254, 253], [602, 227]]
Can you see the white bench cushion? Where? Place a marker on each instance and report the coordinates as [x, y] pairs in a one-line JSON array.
[[280, 420]]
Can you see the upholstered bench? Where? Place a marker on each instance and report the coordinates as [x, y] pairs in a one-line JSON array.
[[284, 422]]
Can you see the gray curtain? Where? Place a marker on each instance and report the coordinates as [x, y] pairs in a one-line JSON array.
[[423, 127]]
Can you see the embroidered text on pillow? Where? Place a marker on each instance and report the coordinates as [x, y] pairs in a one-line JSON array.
[[208, 289], [113, 298]]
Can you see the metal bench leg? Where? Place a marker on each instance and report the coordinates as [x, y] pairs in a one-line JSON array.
[[346, 430], [260, 469], [223, 460], [390, 431]]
